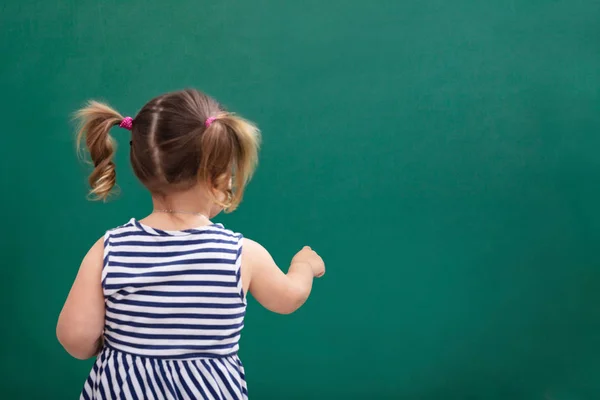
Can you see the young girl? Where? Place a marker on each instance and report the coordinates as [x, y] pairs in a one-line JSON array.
[[161, 301]]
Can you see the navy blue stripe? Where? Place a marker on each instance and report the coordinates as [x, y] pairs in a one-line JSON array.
[[172, 347], [237, 367], [196, 355], [197, 384], [88, 383], [235, 375], [118, 356], [160, 293], [170, 273], [101, 371], [106, 245], [184, 383], [105, 258], [175, 315], [128, 377], [101, 388], [239, 273], [175, 378], [94, 373], [111, 389], [148, 379], [172, 253], [238, 277], [174, 326], [188, 261], [166, 283], [138, 376], [155, 381], [170, 337], [165, 379], [162, 304], [190, 356], [129, 233], [223, 378], [209, 384], [173, 242]]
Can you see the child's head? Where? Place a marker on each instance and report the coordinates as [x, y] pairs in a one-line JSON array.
[[178, 140]]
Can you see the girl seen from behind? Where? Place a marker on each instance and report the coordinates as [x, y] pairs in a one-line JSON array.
[[161, 301]]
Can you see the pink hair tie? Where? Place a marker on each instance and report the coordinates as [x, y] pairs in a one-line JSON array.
[[127, 123], [209, 121]]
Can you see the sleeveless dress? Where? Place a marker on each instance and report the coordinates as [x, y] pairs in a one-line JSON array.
[[174, 313]]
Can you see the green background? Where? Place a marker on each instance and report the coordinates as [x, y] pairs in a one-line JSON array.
[[441, 155]]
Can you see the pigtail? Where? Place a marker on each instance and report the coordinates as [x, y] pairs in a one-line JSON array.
[[247, 143], [229, 146], [95, 122]]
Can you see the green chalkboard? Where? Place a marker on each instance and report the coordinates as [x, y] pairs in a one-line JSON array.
[[443, 156]]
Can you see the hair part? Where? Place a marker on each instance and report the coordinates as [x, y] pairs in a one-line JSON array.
[[172, 149]]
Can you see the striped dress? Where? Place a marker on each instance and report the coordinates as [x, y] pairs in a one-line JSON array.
[[174, 313]]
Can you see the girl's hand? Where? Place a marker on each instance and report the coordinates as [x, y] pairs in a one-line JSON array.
[[310, 257]]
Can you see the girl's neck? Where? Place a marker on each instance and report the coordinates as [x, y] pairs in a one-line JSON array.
[[181, 210]]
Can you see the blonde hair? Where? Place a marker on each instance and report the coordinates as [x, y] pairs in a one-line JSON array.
[[172, 147], [96, 119]]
